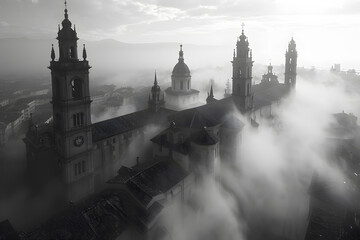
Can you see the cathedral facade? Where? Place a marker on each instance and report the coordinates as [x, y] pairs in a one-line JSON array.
[[86, 155]]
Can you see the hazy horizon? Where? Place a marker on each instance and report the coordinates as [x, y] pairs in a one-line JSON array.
[[269, 25]]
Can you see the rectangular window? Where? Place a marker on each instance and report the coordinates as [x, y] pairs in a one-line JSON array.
[[78, 119]]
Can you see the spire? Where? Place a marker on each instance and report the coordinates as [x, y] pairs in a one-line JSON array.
[[155, 80], [66, 22], [52, 52], [211, 92], [181, 53], [84, 53], [210, 97], [66, 11]]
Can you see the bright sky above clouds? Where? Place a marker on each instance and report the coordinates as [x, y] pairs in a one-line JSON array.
[[326, 31]]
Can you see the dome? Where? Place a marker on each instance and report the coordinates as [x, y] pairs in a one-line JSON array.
[[181, 69]]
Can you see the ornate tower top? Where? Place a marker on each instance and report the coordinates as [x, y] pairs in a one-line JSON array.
[[156, 100], [67, 38]]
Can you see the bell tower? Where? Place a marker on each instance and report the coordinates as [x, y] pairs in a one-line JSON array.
[[290, 64], [71, 112], [242, 73], [156, 98]]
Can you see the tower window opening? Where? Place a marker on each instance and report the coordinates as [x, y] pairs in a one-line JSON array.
[[248, 89], [188, 84], [181, 85], [78, 119], [72, 52], [76, 88]]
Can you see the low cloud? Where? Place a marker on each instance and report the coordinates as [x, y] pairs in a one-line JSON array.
[[265, 192]]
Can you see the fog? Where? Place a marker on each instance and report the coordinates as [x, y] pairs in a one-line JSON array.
[[264, 194]]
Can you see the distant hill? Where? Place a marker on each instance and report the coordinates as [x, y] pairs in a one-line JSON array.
[[110, 59]]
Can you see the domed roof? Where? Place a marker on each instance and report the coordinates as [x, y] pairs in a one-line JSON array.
[[181, 69]]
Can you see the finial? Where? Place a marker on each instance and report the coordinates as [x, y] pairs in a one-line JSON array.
[[66, 11], [155, 80], [59, 27], [52, 52], [181, 53], [74, 28], [234, 52], [242, 28], [84, 53]]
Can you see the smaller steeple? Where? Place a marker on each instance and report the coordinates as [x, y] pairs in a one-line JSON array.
[[52, 53], [210, 97], [84, 53], [156, 100], [155, 80]]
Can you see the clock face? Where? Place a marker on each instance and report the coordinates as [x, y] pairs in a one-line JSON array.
[[78, 141]]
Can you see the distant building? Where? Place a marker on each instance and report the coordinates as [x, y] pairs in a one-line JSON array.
[[291, 64], [336, 68], [270, 78], [180, 95]]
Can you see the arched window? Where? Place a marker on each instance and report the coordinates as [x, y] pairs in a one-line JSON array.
[[188, 83], [181, 85], [248, 89], [76, 88], [72, 52]]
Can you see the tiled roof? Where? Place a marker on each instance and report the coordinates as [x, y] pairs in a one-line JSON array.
[[104, 216], [129, 122], [155, 180], [205, 137], [207, 115]]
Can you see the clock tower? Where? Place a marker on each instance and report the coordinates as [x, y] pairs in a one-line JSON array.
[[71, 112]]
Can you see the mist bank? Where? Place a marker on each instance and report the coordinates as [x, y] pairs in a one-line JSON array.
[[264, 194], [22, 57]]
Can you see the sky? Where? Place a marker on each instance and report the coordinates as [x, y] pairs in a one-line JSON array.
[[326, 32]]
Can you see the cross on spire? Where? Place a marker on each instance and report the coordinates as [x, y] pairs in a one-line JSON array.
[[242, 28]]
